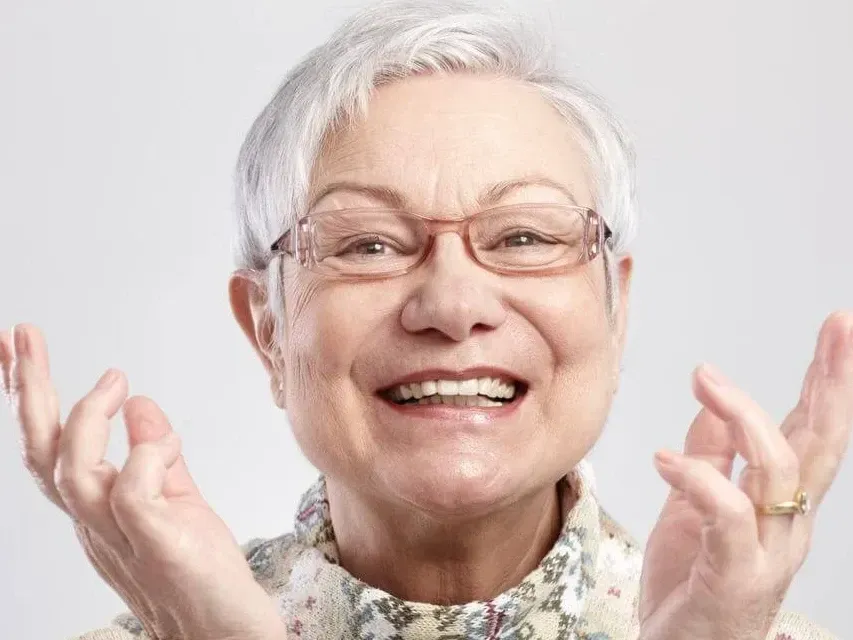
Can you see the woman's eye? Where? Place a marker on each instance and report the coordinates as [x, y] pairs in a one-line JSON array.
[[370, 248], [366, 247], [522, 240]]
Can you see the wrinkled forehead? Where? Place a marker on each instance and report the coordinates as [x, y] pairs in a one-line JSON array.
[[443, 143]]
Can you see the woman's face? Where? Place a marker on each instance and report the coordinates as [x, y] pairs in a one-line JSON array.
[[442, 142]]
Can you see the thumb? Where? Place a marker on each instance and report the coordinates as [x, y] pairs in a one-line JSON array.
[[146, 422]]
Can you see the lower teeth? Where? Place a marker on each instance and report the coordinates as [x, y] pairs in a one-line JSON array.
[[461, 401]]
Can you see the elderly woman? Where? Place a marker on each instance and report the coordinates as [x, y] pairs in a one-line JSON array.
[[433, 224]]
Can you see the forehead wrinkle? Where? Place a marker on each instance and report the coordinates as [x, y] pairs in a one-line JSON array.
[[367, 153], [344, 155], [491, 196], [500, 190]]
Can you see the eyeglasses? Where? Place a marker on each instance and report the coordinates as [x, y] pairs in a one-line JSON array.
[[372, 243]]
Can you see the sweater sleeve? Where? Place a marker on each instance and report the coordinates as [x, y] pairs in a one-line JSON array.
[[794, 626], [123, 627], [108, 633]]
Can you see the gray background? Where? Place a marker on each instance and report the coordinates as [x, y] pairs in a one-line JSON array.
[[119, 125]]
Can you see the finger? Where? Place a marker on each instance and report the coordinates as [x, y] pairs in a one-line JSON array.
[[708, 439], [146, 422], [772, 468], [798, 417], [137, 494], [37, 408], [84, 478], [730, 534], [818, 428]]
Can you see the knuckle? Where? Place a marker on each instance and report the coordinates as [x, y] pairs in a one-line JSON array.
[[66, 483], [85, 408], [124, 500], [77, 489], [149, 452], [741, 508], [788, 466], [146, 455]]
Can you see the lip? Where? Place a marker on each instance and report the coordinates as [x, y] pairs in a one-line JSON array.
[[450, 417], [484, 371], [442, 417]]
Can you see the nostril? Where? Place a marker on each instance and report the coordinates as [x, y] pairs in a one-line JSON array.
[[454, 297], [481, 327]]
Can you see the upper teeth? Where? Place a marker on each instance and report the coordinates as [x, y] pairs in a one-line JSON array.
[[492, 387]]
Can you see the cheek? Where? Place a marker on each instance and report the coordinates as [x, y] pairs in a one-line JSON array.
[[327, 324], [322, 331], [330, 323], [574, 324], [572, 319]]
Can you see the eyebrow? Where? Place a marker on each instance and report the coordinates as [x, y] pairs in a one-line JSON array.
[[487, 198]]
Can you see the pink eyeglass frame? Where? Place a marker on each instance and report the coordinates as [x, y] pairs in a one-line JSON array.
[[301, 247]]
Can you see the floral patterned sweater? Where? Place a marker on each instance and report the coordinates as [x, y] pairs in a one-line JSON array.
[[585, 588]]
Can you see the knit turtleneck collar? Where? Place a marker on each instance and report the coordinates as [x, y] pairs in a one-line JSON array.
[[549, 602], [585, 588]]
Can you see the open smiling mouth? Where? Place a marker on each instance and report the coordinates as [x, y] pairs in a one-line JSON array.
[[481, 392]]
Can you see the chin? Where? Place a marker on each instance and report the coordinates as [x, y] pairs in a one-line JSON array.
[[458, 486]]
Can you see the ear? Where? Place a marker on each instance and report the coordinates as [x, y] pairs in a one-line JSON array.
[[248, 295]]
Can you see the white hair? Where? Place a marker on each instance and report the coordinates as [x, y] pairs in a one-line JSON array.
[[391, 40]]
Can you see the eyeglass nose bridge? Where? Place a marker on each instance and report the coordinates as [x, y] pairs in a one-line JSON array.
[[460, 227]]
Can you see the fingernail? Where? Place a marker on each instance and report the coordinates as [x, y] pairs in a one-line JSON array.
[[107, 380], [714, 375], [22, 343], [837, 354], [665, 458]]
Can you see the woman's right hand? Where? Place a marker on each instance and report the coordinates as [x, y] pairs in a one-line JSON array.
[[146, 528]]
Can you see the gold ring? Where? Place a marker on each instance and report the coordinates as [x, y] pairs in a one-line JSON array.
[[801, 504]]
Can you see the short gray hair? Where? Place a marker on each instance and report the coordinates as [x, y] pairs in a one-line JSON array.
[[391, 40]]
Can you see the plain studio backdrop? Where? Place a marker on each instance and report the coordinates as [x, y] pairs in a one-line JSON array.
[[119, 126]]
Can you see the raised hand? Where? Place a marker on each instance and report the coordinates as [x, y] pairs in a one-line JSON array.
[[714, 567], [146, 528]]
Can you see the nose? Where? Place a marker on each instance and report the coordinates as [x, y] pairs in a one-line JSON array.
[[455, 296]]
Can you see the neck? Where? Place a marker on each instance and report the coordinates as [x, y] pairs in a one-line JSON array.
[[420, 558]]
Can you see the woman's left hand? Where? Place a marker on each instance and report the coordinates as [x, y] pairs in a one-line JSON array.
[[714, 567]]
